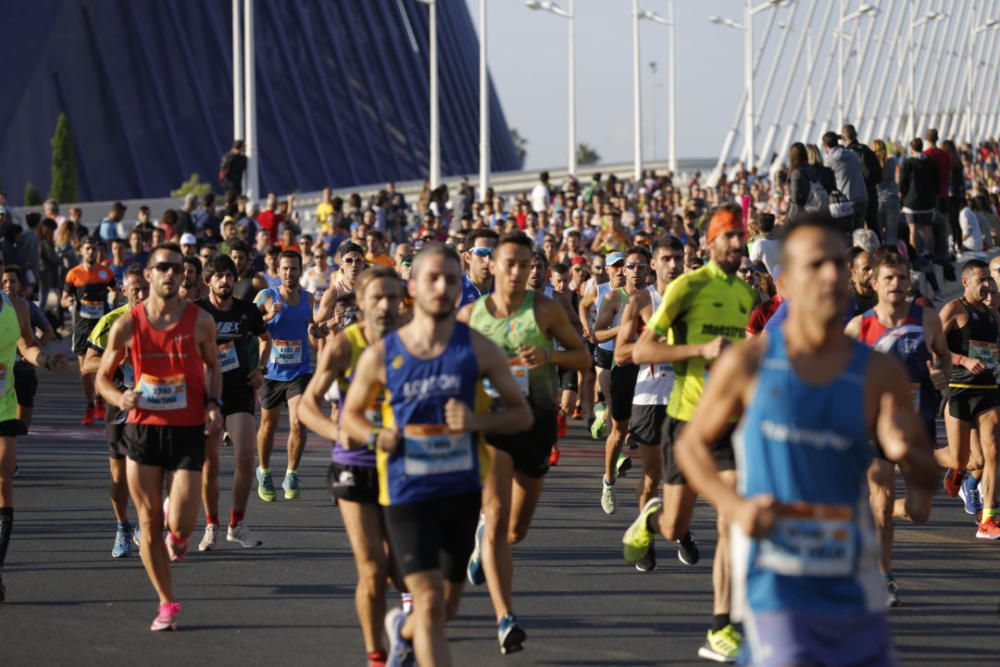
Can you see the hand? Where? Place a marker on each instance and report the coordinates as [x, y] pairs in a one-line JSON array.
[[588, 335], [57, 363], [255, 379], [533, 356], [712, 349], [128, 400], [755, 516], [318, 330], [937, 377], [974, 366], [213, 420], [274, 307], [458, 416], [387, 440]]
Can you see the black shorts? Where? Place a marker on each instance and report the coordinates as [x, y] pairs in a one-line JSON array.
[[530, 449], [964, 404], [277, 392], [114, 430], [647, 423], [12, 428], [167, 447], [25, 384], [81, 332], [568, 379], [237, 397], [434, 534], [623, 391], [722, 451], [603, 358], [358, 484]]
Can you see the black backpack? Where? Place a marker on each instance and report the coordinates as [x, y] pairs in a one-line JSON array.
[[870, 167]]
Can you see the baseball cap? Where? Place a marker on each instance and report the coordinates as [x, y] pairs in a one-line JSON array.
[[188, 239], [577, 261], [614, 258]]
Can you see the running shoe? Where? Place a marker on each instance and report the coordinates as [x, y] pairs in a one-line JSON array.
[[969, 493], [241, 533], [989, 529], [99, 409], [122, 548], [400, 650], [210, 540], [638, 538], [561, 425], [510, 635], [597, 429], [554, 456], [687, 550], [137, 537], [166, 619], [722, 646], [892, 591], [623, 465], [953, 481], [176, 551], [474, 571], [88, 416], [577, 414], [648, 562], [265, 486], [407, 600], [608, 497], [291, 485]]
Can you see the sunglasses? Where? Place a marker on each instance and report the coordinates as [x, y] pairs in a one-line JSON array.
[[598, 267], [351, 261], [166, 267], [744, 270], [636, 267], [481, 251]]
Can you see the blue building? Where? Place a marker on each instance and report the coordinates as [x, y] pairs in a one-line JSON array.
[[342, 90]]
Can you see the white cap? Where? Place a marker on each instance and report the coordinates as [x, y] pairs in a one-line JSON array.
[[188, 239]]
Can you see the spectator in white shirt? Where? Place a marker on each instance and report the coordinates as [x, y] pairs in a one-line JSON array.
[[540, 197], [968, 220]]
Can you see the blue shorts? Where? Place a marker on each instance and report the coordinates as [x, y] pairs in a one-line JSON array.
[[782, 638]]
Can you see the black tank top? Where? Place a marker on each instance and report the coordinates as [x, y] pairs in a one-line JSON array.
[[981, 327], [243, 289]]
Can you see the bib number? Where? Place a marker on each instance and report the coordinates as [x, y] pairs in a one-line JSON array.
[[520, 372], [286, 352], [810, 541], [984, 352], [430, 449], [91, 310], [155, 393], [226, 354]]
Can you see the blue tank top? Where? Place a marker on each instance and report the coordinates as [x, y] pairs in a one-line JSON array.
[[429, 462], [289, 340], [807, 446]]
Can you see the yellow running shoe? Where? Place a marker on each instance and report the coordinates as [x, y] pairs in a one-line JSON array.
[[722, 646]]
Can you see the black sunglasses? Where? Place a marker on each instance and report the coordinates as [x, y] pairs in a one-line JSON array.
[[166, 267]]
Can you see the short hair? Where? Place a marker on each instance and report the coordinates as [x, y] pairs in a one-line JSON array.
[[667, 241], [14, 268], [373, 273], [134, 269], [850, 132], [637, 250], [272, 249], [560, 268], [974, 265], [239, 246], [766, 222], [517, 238], [830, 139], [435, 249], [169, 246], [475, 234], [917, 144], [92, 240], [889, 259], [119, 240], [540, 256], [808, 220], [290, 254], [349, 246], [219, 264], [931, 135], [195, 262]]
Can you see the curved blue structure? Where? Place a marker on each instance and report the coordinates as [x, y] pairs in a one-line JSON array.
[[342, 89]]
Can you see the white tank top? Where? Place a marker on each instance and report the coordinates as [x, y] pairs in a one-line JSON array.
[[655, 381]]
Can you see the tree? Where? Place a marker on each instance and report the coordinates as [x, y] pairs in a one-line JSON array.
[[192, 185], [520, 145], [63, 162], [32, 197], [586, 154]]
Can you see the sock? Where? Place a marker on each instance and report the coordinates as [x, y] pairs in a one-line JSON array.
[[235, 518], [212, 518], [172, 536], [719, 621], [290, 471], [407, 602], [607, 483], [6, 522], [989, 514], [377, 656]]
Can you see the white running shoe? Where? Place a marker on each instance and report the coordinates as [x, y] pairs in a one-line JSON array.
[[210, 540], [242, 534], [608, 498]]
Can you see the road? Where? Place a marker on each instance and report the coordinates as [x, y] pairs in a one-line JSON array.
[[292, 599]]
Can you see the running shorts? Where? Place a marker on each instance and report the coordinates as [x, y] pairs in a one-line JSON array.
[[25, 383], [357, 484], [114, 431], [434, 534], [722, 451], [623, 380], [603, 358], [167, 447], [530, 449], [11, 428], [81, 332], [237, 399], [780, 638], [965, 404], [647, 423], [278, 392], [568, 379]]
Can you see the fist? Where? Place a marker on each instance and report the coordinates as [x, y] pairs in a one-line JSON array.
[[128, 400]]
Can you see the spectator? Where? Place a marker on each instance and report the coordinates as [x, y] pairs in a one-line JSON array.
[[143, 223], [850, 180], [765, 249], [540, 194], [943, 162], [169, 225], [205, 221], [185, 221], [270, 219], [324, 211], [956, 188], [919, 185], [49, 263], [189, 245], [109, 225], [234, 165], [50, 209], [871, 170], [888, 193], [807, 190]]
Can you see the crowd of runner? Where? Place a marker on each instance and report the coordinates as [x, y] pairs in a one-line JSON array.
[[769, 343]]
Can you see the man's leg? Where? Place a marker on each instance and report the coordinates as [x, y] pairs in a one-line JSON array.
[[720, 561], [210, 479], [241, 430], [613, 447], [498, 564], [987, 428], [525, 493], [87, 381], [145, 484], [425, 626], [185, 494], [604, 384], [652, 472], [882, 496], [958, 440], [118, 490], [674, 520], [265, 435], [8, 461], [297, 434], [364, 530]]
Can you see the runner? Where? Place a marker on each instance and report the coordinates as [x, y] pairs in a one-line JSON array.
[[428, 460], [86, 291], [478, 278], [248, 283], [25, 378], [353, 478], [913, 334], [805, 555], [271, 273], [525, 324], [136, 289], [971, 329], [192, 285], [287, 310], [350, 264], [603, 353], [653, 382], [174, 405], [237, 323], [569, 378], [623, 376], [702, 312]]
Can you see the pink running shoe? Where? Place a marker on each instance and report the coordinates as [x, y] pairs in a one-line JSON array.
[[167, 618]]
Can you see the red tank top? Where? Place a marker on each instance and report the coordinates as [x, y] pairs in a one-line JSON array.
[[169, 373]]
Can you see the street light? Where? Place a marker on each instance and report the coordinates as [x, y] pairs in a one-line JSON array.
[[989, 24], [637, 16], [553, 8], [484, 108], [864, 10], [933, 15], [435, 148]]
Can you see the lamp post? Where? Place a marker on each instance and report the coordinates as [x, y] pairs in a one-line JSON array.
[[553, 8], [434, 168], [250, 81], [990, 24], [637, 16], [914, 24], [864, 10], [484, 108]]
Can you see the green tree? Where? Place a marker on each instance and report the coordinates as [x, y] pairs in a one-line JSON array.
[[192, 185], [520, 145], [32, 197], [63, 163], [586, 154]]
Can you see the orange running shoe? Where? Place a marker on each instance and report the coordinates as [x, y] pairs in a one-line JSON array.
[[88, 416], [953, 481], [99, 410], [554, 456]]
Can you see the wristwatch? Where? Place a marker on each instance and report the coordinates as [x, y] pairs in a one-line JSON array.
[[217, 401], [373, 438]]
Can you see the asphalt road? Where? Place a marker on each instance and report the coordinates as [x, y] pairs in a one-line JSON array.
[[291, 601]]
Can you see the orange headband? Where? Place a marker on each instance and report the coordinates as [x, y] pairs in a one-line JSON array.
[[723, 221]]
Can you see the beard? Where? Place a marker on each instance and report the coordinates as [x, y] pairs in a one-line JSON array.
[[222, 294]]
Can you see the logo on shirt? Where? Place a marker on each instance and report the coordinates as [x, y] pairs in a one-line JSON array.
[[397, 362], [434, 385]]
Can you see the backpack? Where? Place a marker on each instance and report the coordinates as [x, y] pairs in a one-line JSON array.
[[227, 160], [818, 198], [840, 206], [870, 167]]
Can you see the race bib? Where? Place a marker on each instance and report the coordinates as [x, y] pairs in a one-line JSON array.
[[520, 372], [286, 352], [92, 310], [984, 352], [155, 393], [430, 449], [226, 354], [810, 541], [3, 379]]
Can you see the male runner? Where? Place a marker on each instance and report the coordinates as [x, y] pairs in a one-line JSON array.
[[623, 375], [248, 283], [350, 264], [805, 555], [25, 378], [237, 323], [288, 311], [478, 278], [136, 289], [86, 291], [428, 458], [525, 324], [971, 330], [175, 403], [898, 326], [192, 285], [702, 311], [569, 378], [593, 297], [654, 381], [353, 477]]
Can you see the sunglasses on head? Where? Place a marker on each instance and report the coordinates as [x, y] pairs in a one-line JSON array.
[[481, 251], [166, 267]]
